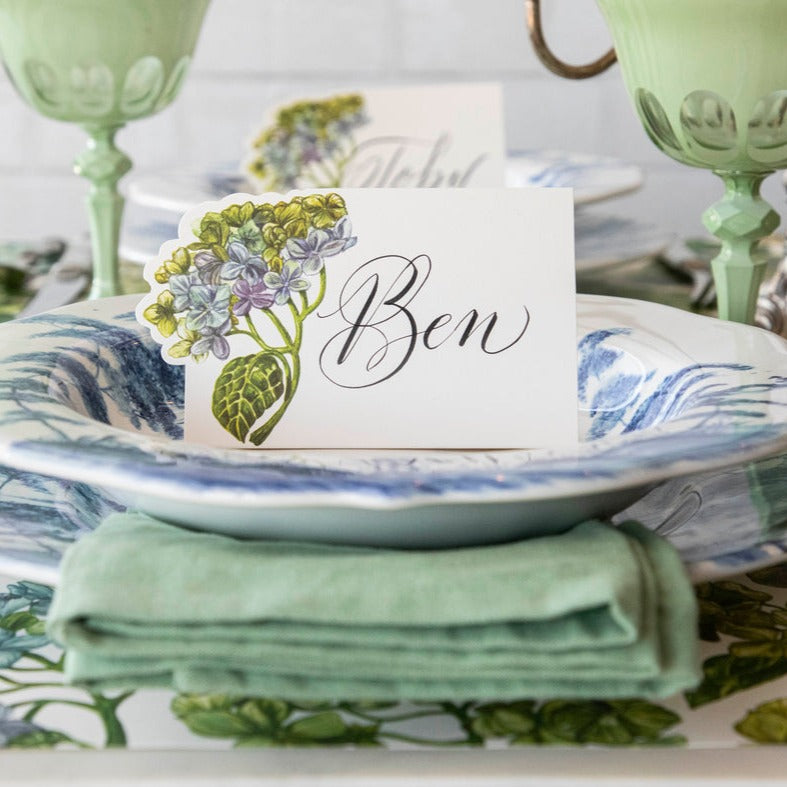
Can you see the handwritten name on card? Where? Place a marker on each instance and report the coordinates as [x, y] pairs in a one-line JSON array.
[[403, 137], [373, 319]]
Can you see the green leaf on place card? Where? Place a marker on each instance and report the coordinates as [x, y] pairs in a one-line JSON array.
[[182, 259], [259, 436], [238, 215], [214, 229], [767, 723], [245, 389]]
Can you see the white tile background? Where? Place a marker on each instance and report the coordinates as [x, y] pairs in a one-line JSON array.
[[255, 52]]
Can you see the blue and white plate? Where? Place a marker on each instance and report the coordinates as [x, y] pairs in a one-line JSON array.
[[85, 396], [603, 240], [722, 523], [593, 178]]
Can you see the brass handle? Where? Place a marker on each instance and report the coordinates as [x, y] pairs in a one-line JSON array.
[[553, 63]]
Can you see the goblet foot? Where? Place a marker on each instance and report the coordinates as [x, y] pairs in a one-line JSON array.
[[103, 165], [739, 220]]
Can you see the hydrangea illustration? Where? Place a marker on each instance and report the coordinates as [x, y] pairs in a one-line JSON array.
[[12, 728], [14, 645], [256, 271], [309, 145], [26, 594]]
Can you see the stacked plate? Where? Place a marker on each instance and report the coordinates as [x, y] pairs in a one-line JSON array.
[[156, 203], [683, 418], [683, 424]]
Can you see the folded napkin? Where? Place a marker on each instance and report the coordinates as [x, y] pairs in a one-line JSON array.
[[595, 612]]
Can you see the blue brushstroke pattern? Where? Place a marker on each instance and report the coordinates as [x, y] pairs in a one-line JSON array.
[[102, 366]]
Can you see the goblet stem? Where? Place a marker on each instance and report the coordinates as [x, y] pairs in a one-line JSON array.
[[103, 165], [739, 220]]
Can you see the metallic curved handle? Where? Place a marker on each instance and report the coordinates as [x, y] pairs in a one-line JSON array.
[[553, 63]]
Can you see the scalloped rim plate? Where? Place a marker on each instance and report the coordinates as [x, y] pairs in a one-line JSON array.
[[720, 535], [593, 178], [663, 393]]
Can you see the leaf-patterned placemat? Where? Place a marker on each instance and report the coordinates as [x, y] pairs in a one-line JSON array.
[[741, 700]]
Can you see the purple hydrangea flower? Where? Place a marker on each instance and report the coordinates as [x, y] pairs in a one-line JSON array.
[[212, 342], [309, 251], [209, 307], [285, 283], [13, 646], [242, 264], [32, 595], [208, 267], [251, 295], [343, 231], [181, 286], [11, 728]]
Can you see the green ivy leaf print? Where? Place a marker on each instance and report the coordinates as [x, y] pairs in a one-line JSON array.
[[266, 715], [39, 739], [758, 625], [725, 605], [774, 576], [515, 721], [727, 674], [268, 722], [23, 620], [616, 723], [245, 389], [767, 723]]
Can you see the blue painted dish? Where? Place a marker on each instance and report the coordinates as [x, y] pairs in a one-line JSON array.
[[85, 397], [714, 520]]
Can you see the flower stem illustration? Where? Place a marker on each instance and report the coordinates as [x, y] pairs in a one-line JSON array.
[[28, 662], [252, 274]]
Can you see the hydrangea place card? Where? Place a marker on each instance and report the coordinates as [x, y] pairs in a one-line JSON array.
[[418, 136], [373, 318]]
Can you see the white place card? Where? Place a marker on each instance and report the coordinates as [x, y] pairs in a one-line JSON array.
[[407, 137], [382, 318]]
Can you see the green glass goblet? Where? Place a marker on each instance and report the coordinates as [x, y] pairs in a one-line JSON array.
[[100, 64], [708, 79]]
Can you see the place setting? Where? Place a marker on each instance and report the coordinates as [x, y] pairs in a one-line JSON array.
[[356, 454], [405, 149]]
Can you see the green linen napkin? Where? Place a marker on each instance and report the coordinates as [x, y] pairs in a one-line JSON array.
[[595, 612]]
